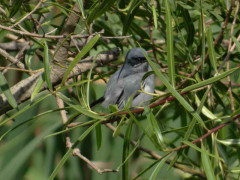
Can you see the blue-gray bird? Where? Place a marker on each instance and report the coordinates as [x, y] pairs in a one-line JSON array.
[[128, 80]]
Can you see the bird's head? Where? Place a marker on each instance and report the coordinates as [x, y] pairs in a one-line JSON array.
[[135, 57]]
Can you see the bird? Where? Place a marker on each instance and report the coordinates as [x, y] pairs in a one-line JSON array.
[[128, 80]]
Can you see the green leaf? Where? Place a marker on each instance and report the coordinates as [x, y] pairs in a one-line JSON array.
[[6, 91], [80, 3], [235, 170], [130, 15], [16, 6], [29, 55], [37, 87], [138, 30], [211, 50], [169, 33], [146, 169], [158, 168], [88, 123], [202, 34], [118, 128], [64, 10], [155, 21], [236, 42], [208, 169], [99, 136], [89, 80], [200, 150], [86, 112], [130, 154], [199, 109], [98, 9], [210, 80], [206, 111], [78, 83], [230, 142], [188, 22], [79, 108], [80, 55], [46, 65], [126, 149], [61, 163], [154, 131]]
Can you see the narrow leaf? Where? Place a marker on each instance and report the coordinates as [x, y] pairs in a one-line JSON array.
[[80, 3], [98, 9], [236, 42], [230, 142], [155, 21], [210, 80], [6, 91], [37, 88], [211, 50], [126, 149], [169, 33], [46, 65], [80, 55], [16, 6], [158, 168], [208, 169], [99, 136]]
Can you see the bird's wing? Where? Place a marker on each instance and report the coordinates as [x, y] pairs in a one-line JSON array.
[[113, 90], [120, 89]]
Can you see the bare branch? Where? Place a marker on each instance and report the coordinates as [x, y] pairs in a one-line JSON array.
[[12, 59], [76, 152]]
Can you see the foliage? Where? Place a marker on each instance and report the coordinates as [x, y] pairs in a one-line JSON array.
[[194, 52]]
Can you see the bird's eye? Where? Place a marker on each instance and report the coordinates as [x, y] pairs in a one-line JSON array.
[[141, 59]]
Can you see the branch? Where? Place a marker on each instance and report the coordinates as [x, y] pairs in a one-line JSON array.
[[22, 91], [207, 134], [25, 33], [12, 59]]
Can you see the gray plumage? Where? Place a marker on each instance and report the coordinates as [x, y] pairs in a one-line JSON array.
[[128, 80]]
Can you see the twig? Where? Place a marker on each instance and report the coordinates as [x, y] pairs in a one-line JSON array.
[[12, 59], [23, 33], [23, 70], [63, 114], [207, 134], [27, 15], [76, 152], [116, 37]]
